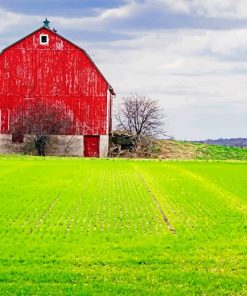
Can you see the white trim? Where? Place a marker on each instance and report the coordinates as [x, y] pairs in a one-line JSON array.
[[47, 39]]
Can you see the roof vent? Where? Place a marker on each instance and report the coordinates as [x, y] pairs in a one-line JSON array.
[[46, 23]]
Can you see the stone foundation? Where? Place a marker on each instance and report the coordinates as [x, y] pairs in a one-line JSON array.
[[57, 145]]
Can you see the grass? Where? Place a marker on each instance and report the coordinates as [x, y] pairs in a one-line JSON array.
[[220, 152], [122, 227], [168, 149]]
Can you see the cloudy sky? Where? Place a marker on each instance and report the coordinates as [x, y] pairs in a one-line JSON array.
[[191, 55]]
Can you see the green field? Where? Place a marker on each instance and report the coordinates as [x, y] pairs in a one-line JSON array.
[[122, 227]]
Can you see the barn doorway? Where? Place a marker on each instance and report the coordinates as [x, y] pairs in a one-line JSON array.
[[91, 146]]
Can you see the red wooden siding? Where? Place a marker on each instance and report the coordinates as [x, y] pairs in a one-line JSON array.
[[4, 120], [59, 72], [91, 146]]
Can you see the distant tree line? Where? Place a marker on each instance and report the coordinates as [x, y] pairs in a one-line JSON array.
[[232, 142]]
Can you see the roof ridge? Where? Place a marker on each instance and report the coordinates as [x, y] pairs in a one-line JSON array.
[[77, 46]]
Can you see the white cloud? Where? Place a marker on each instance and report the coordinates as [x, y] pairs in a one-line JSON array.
[[208, 8], [182, 68], [219, 8], [172, 67], [9, 19], [176, 6], [103, 19]]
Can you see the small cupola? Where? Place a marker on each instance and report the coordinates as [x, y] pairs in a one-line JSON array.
[[46, 23]]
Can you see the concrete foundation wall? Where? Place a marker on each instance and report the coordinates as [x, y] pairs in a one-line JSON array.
[[57, 145], [7, 147], [104, 146], [65, 145]]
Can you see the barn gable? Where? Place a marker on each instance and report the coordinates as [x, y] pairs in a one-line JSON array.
[[55, 42], [45, 66]]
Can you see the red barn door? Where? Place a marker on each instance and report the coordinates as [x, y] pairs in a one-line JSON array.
[[91, 146]]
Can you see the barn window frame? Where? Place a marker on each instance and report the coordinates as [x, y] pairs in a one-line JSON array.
[[41, 36]]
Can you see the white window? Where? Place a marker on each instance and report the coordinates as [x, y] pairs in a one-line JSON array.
[[44, 39]]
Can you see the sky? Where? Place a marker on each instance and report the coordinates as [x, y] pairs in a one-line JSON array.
[[191, 55]]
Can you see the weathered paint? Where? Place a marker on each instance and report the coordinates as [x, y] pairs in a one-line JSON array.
[[58, 72], [5, 119]]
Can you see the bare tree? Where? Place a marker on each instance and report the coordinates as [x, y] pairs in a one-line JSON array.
[[38, 121], [73, 138], [140, 116]]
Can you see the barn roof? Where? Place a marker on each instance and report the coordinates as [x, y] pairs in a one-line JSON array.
[[55, 33]]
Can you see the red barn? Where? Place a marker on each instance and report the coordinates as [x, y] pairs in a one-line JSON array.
[[46, 66]]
